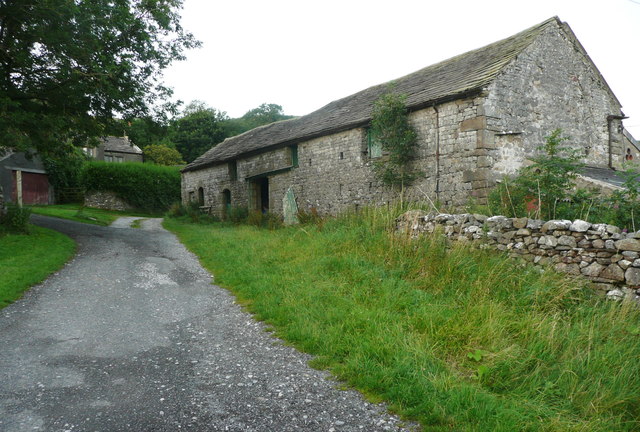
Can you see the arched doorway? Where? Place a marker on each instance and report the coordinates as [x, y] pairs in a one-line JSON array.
[[201, 196]]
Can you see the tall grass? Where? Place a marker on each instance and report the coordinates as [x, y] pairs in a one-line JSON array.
[[454, 337], [26, 260]]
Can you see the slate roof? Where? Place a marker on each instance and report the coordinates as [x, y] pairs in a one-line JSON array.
[[120, 145], [631, 139], [451, 79]]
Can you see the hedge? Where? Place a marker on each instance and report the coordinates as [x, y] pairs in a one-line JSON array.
[[147, 187]]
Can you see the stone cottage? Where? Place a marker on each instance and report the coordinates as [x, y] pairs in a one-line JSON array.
[[478, 116], [115, 149]]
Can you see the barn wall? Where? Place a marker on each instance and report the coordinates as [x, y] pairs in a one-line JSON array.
[[551, 85], [335, 172]]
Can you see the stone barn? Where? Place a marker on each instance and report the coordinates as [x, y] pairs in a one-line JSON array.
[[478, 117]]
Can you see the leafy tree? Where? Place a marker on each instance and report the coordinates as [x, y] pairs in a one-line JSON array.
[[64, 170], [147, 131], [162, 155], [625, 203], [67, 68], [199, 129], [390, 127], [262, 115]]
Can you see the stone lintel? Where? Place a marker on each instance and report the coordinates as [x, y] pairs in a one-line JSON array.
[[485, 139], [476, 175], [472, 124]]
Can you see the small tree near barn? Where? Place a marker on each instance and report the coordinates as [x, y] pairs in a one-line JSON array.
[[391, 129]]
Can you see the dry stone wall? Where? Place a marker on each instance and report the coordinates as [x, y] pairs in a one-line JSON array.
[[106, 200], [604, 254]]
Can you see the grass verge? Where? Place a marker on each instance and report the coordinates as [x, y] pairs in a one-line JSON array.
[[456, 338], [26, 260], [83, 214]]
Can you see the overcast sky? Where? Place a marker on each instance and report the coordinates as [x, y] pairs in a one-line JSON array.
[[303, 54]]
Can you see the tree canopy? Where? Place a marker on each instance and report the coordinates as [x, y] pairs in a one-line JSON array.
[[68, 67], [162, 155], [199, 129], [262, 115]]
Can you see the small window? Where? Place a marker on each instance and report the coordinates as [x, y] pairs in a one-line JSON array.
[[233, 170], [341, 155], [294, 155], [373, 145]]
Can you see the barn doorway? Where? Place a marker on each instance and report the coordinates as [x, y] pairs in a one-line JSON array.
[[260, 191], [226, 202], [201, 196], [264, 194], [30, 188]]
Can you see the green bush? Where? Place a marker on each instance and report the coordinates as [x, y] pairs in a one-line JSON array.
[[16, 218], [191, 212], [237, 215], [624, 205], [147, 187], [65, 172], [542, 189], [546, 189], [310, 217], [264, 220]]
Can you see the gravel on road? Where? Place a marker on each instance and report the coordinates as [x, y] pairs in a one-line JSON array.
[[131, 335]]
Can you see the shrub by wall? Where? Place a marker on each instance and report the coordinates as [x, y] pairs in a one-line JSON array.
[[144, 186]]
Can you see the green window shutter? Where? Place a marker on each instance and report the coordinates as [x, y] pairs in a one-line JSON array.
[[294, 155], [373, 145]]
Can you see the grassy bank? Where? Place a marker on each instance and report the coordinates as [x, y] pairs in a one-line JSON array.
[[83, 214], [26, 260], [458, 339]]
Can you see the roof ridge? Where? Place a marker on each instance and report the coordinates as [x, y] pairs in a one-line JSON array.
[[462, 74]]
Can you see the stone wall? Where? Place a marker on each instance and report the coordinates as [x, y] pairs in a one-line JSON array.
[[335, 173], [106, 200], [551, 85], [601, 253]]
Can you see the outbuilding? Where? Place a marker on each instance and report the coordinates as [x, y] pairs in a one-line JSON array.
[[478, 116]]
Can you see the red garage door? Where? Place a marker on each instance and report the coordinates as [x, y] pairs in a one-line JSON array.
[[35, 188]]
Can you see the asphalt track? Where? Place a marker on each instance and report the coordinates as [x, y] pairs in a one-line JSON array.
[[131, 335]]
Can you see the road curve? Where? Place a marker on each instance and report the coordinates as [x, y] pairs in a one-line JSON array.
[[132, 336]]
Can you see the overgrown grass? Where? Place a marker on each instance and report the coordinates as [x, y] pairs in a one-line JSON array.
[[26, 260], [83, 214], [456, 338]]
